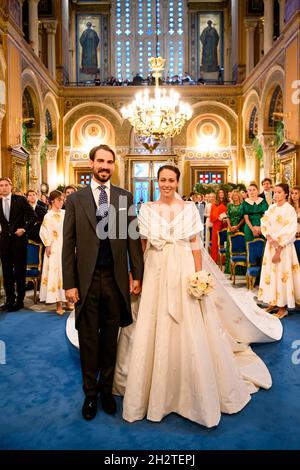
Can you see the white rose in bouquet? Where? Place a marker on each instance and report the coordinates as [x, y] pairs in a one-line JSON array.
[[200, 284]]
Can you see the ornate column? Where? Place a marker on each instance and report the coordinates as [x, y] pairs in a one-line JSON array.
[[267, 143], [234, 176], [180, 164], [252, 166], [66, 174], [2, 114], [34, 25], [51, 171], [36, 141], [50, 28], [41, 30], [281, 15], [261, 38], [268, 25], [120, 154], [250, 28]]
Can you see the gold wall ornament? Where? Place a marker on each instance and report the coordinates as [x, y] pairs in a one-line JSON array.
[[288, 169], [155, 118], [282, 115]]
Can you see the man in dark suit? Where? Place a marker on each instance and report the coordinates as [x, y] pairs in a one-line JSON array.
[[100, 237], [267, 193], [16, 218], [200, 204], [40, 212]]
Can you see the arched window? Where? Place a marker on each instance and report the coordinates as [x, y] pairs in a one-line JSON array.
[[143, 29], [49, 130], [276, 105], [253, 124]]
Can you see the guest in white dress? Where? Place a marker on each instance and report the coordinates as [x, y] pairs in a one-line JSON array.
[[185, 357], [280, 275], [51, 290]]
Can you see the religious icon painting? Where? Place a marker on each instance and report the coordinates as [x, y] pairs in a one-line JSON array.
[[88, 38], [210, 41]]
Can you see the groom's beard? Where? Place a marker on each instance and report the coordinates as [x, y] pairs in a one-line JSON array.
[[105, 176]]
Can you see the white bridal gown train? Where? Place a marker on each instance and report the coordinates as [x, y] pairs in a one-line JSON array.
[[180, 355]]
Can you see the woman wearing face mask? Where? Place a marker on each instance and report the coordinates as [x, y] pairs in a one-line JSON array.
[[280, 276]]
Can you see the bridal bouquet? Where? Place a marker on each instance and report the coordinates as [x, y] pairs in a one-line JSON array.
[[200, 284]]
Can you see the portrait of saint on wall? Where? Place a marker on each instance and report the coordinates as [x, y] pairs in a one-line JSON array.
[[288, 170], [88, 47], [211, 44], [255, 7]]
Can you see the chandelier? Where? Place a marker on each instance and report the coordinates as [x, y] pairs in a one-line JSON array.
[[157, 116]]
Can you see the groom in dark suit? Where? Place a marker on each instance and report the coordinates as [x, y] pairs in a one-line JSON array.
[[100, 236]]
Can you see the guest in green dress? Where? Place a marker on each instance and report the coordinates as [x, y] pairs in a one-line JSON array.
[[235, 223], [253, 209]]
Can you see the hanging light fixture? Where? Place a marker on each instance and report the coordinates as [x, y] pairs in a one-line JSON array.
[[155, 118]]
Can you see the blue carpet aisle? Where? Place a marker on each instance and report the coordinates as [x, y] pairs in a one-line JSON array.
[[41, 398]]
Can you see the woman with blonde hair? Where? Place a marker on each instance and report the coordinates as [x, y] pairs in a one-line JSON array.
[[235, 223]]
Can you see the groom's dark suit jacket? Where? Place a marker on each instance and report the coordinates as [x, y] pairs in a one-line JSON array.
[[81, 245]]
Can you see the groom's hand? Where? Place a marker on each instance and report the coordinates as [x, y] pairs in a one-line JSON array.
[[72, 295], [135, 287]]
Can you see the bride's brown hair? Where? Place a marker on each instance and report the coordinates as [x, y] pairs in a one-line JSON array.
[[169, 167]]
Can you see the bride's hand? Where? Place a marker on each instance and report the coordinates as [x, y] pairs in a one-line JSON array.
[[136, 287]]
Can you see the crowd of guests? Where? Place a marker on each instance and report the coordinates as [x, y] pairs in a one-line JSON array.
[[273, 214], [26, 217], [138, 80]]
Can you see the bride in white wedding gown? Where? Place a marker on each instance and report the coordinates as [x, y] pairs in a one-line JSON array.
[[180, 355]]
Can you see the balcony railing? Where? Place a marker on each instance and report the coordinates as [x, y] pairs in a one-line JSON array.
[[93, 83]]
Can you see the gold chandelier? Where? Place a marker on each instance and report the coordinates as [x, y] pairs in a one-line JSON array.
[[155, 118]]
